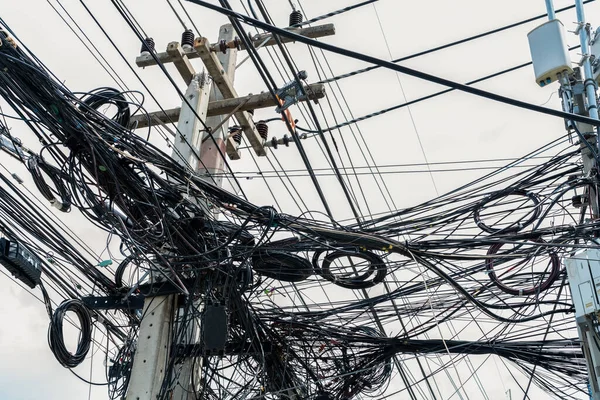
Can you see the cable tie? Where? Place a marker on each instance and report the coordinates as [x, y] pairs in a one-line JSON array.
[[105, 263], [57, 204]]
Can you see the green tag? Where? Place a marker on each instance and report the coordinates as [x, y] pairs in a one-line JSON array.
[[105, 263]]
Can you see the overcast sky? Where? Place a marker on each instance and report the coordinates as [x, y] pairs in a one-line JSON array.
[[452, 127]]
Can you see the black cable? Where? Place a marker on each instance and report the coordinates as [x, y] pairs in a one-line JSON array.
[[281, 266], [398, 68], [106, 96], [55, 333], [36, 165], [374, 274], [452, 44], [332, 14], [546, 280], [161, 212], [516, 226]]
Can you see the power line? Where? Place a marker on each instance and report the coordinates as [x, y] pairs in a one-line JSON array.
[[398, 68], [410, 114], [452, 44]]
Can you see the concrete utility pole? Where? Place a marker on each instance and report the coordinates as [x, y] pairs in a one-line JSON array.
[[189, 139], [212, 97], [154, 339], [152, 350], [200, 96], [212, 163]]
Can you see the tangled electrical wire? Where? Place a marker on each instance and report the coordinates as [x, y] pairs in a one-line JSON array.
[[488, 251], [55, 333]]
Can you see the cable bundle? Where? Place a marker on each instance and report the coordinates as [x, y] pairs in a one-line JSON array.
[[442, 258], [55, 333]]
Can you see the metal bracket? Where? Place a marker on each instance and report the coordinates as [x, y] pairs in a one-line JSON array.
[[136, 301], [13, 147], [584, 58], [291, 93], [231, 348], [580, 26]]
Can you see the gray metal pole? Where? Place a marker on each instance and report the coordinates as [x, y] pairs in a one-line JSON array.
[[550, 10], [590, 132], [590, 84], [589, 337]]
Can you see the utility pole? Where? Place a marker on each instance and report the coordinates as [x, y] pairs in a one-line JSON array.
[[155, 335], [578, 95], [211, 166], [211, 97], [212, 162], [152, 352], [583, 269]]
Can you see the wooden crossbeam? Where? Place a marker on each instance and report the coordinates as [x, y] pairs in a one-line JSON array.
[[220, 78], [313, 32], [221, 107], [181, 61], [146, 60]]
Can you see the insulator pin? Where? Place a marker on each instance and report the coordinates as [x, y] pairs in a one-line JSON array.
[[187, 38], [236, 134], [262, 129], [148, 45], [296, 18]]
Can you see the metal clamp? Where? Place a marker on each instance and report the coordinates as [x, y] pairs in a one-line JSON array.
[[291, 93]]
